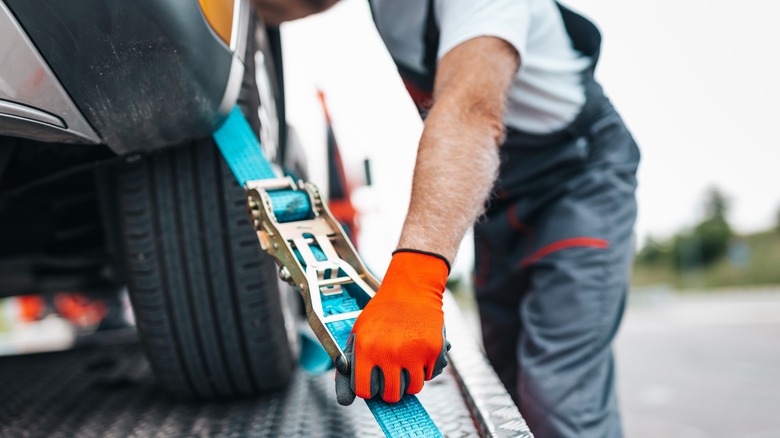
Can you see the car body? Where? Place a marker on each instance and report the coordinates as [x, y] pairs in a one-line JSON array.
[[106, 113]]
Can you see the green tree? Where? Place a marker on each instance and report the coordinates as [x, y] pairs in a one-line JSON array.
[[716, 204], [709, 240], [653, 253]]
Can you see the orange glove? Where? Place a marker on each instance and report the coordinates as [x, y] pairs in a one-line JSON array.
[[398, 341]]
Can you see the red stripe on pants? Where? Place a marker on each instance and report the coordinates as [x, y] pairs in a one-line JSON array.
[[574, 242]]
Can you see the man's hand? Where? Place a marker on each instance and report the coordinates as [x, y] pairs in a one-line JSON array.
[[398, 341], [277, 11]]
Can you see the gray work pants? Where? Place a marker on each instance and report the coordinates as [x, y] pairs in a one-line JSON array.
[[553, 255]]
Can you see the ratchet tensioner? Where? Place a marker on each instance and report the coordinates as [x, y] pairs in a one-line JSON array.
[[316, 257]]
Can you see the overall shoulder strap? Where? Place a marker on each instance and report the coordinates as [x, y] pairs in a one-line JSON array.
[[431, 40], [584, 35]]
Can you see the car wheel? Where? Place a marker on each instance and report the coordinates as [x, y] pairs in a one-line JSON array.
[[206, 298]]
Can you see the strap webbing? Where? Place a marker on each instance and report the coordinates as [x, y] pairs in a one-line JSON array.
[[243, 153]]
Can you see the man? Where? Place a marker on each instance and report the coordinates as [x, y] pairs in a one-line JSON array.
[[517, 131]]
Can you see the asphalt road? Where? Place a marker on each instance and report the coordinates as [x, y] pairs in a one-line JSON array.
[[701, 365]]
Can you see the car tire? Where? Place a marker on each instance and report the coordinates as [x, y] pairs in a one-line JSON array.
[[206, 298]]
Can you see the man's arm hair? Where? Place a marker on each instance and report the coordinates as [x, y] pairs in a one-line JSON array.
[[458, 158], [277, 11]]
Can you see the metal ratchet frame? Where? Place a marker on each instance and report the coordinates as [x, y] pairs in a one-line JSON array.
[[337, 266]]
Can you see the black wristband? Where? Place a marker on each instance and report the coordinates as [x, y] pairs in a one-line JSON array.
[[432, 254]]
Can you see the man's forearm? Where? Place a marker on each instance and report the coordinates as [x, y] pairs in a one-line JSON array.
[[458, 159], [457, 163]]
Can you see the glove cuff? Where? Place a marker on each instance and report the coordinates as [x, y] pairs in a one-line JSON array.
[[432, 254]]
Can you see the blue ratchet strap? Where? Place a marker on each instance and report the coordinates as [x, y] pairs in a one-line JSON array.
[[243, 153]]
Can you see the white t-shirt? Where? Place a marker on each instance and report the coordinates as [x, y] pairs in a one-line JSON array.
[[547, 93]]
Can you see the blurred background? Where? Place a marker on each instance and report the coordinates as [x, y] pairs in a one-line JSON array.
[[696, 81]]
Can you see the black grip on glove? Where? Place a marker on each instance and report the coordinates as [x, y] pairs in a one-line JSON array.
[[345, 385]]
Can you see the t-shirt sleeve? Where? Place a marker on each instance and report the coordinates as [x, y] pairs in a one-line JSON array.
[[462, 20]]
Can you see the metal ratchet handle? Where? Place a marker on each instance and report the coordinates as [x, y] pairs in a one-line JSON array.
[[322, 247], [314, 255]]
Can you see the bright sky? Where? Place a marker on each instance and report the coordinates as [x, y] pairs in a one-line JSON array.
[[695, 80]]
